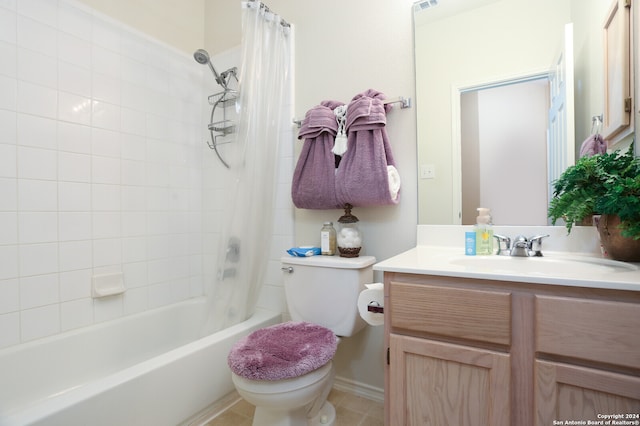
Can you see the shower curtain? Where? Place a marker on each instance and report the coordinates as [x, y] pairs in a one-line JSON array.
[[244, 247]]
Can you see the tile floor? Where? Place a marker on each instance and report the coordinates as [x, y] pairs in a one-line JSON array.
[[351, 410]]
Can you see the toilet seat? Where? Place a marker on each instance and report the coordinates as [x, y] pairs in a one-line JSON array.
[[282, 351]]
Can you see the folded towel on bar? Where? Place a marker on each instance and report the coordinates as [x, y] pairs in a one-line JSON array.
[[362, 178], [314, 177]]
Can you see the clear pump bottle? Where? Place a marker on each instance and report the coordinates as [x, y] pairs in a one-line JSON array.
[[484, 232]]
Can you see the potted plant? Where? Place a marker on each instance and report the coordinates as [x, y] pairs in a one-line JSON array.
[[605, 184]]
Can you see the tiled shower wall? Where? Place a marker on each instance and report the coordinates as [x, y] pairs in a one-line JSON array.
[[102, 164]]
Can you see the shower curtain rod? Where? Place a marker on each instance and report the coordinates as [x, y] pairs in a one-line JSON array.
[[282, 21]]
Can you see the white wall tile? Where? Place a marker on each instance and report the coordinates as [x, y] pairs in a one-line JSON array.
[[8, 127], [106, 116], [134, 249], [107, 224], [74, 196], [107, 252], [75, 284], [105, 197], [106, 61], [9, 191], [37, 100], [37, 36], [105, 142], [74, 108], [106, 34], [8, 59], [36, 131], [37, 227], [105, 170], [134, 224], [9, 329], [135, 274], [108, 308], [8, 262], [37, 195], [135, 300], [76, 314], [106, 88], [133, 198], [8, 92], [74, 79], [8, 160], [39, 290], [8, 25], [74, 138], [74, 167], [43, 11], [37, 163], [75, 226], [38, 259], [9, 296], [38, 68], [133, 172], [8, 228], [74, 20], [39, 322], [75, 255], [133, 122]]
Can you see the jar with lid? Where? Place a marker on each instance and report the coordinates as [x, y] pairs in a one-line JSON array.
[[349, 236], [328, 239]]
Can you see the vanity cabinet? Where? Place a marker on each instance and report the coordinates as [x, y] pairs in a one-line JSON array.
[[483, 352]]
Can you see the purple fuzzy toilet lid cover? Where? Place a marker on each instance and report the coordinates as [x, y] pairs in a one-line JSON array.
[[282, 351]]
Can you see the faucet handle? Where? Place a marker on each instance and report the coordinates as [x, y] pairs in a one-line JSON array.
[[535, 245], [504, 244]]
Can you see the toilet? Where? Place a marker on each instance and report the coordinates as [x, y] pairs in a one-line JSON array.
[[286, 370]]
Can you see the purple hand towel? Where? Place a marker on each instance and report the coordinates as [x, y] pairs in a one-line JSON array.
[[593, 145], [362, 178], [282, 351], [313, 185]]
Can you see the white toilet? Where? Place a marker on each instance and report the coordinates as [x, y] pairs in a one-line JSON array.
[[322, 294]]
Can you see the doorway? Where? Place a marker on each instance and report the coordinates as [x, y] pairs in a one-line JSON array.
[[504, 152]]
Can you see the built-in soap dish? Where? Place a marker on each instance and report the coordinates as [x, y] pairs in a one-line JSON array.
[[107, 285]]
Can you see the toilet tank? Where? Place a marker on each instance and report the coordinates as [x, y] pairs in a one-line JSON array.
[[324, 290]]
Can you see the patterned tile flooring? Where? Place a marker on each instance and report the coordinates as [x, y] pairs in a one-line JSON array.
[[351, 410]]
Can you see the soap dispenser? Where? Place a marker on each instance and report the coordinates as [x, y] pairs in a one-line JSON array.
[[484, 232]]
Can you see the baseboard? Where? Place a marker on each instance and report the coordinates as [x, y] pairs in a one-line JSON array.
[[357, 388]]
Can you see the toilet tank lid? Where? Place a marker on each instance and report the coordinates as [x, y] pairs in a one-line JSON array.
[[330, 261]]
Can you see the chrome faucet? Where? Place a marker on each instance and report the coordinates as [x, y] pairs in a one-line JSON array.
[[522, 246]]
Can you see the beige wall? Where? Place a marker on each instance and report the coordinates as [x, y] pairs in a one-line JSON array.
[[179, 23]]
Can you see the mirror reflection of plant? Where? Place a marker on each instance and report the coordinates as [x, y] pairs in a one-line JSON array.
[[601, 184]]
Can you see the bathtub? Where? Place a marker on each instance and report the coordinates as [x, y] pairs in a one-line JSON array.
[[146, 369]]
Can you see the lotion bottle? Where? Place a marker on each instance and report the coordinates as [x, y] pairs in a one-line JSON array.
[[484, 232]]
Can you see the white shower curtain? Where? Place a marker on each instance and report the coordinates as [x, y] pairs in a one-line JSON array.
[[265, 81]]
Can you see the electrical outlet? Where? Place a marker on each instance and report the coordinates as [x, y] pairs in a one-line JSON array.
[[427, 171]]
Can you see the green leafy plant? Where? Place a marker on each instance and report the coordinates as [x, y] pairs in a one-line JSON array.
[[601, 184]]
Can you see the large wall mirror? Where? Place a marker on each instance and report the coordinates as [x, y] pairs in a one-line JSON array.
[[490, 131]]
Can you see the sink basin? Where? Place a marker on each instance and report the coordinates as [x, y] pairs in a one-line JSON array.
[[550, 265]]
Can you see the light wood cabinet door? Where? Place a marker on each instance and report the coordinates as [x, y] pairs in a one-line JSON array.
[[441, 384], [565, 392]]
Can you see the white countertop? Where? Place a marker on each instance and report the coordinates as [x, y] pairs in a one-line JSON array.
[[576, 269]]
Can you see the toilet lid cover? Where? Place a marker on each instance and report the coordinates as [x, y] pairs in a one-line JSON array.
[[282, 351]]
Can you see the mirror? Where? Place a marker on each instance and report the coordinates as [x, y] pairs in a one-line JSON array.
[[468, 46]]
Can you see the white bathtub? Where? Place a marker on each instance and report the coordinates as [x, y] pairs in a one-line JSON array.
[[145, 369]]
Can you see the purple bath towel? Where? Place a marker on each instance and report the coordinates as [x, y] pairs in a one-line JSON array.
[[313, 185], [282, 351], [362, 178], [593, 145]]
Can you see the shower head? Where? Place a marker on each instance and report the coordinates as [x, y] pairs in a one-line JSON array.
[[202, 57]]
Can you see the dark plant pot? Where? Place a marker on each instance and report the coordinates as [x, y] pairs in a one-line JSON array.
[[615, 245]]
